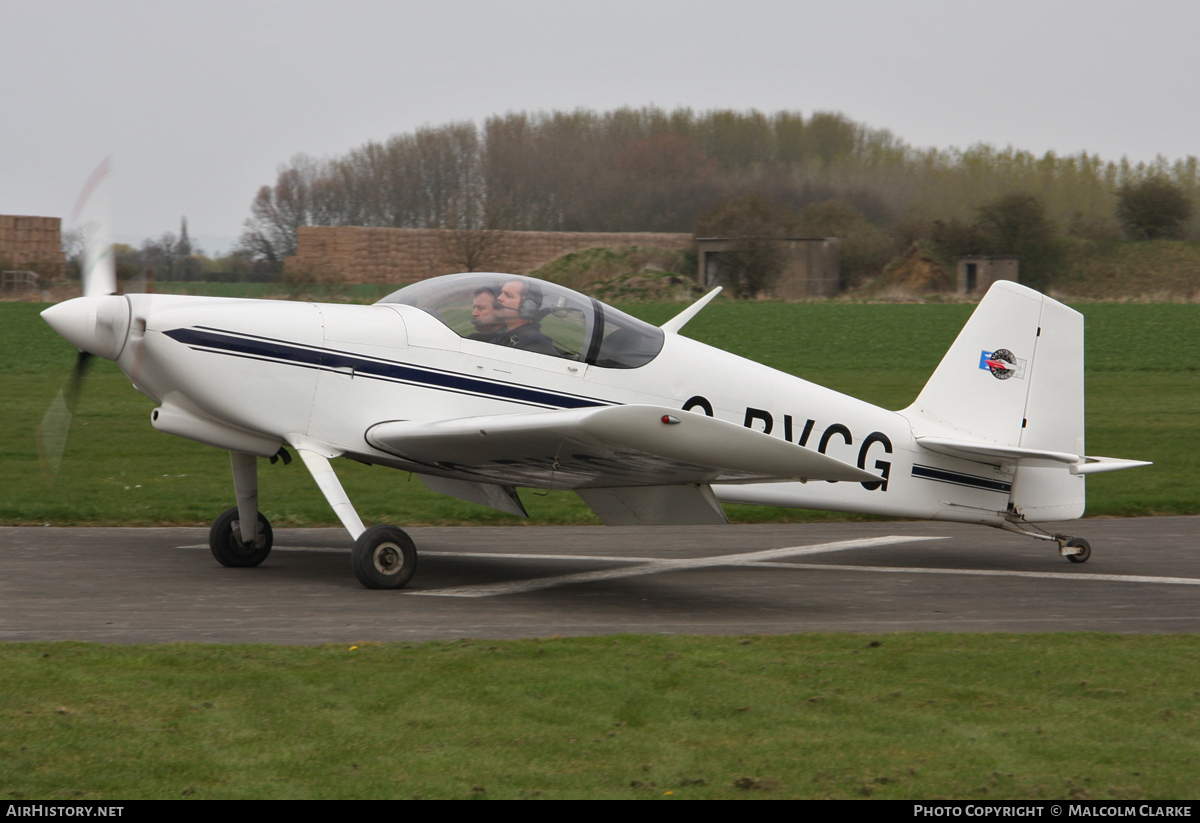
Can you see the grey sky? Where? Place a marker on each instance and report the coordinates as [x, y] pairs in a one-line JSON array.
[[198, 102]]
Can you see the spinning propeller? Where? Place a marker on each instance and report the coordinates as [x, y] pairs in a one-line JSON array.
[[95, 323]]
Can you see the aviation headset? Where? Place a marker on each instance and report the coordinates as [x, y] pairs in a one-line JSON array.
[[531, 300]]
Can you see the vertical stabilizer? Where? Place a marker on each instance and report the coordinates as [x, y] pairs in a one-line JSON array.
[[979, 390], [1014, 377]]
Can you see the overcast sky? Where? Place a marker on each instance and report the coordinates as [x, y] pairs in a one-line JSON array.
[[199, 102]]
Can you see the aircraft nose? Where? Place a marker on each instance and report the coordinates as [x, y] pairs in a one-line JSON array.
[[94, 324]]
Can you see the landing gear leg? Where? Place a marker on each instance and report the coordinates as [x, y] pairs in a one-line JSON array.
[[241, 536], [384, 557]]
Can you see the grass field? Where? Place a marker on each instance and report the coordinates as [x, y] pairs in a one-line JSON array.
[[1143, 402], [893, 716]]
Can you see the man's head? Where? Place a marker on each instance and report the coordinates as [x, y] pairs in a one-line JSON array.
[[483, 310], [518, 303]]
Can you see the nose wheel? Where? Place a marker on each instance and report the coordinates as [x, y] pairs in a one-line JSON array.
[[225, 541]]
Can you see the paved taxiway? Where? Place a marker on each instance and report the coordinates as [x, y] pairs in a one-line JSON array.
[[159, 585]]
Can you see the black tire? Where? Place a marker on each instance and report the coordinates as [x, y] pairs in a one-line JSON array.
[[384, 557], [1083, 556], [227, 546]]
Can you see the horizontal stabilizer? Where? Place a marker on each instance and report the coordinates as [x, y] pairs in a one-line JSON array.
[[992, 453], [1107, 464], [607, 446], [996, 455]]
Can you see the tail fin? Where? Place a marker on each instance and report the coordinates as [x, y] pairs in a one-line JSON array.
[[1014, 377]]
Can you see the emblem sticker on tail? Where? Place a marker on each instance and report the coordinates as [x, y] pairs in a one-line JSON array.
[[1003, 364]]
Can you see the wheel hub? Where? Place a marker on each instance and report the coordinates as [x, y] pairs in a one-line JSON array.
[[240, 544], [388, 558]]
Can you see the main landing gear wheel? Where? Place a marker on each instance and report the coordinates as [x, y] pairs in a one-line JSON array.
[[225, 540], [384, 557], [1085, 550]]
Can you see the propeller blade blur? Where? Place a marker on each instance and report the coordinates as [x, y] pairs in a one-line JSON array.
[[56, 423], [99, 273]]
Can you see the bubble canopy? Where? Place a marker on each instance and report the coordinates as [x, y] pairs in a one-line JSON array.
[[527, 313]]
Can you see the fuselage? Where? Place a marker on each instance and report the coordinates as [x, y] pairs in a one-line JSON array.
[[287, 372]]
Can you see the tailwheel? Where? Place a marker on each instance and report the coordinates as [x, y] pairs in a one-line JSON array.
[[384, 557], [225, 541], [1085, 550]]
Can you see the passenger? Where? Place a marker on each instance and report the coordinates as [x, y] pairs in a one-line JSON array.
[[483, 314], [519, 307]]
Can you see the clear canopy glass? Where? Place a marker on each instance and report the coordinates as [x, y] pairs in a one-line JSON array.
[[535, 315]]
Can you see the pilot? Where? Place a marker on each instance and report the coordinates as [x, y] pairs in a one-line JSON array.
[[483, 314], [519, 307]]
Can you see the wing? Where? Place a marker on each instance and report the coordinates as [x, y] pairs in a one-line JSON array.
[[605, 447]]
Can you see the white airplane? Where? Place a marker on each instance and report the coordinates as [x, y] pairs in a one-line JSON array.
[[483, 382]]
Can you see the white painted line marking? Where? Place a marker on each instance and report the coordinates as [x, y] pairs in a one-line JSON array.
[[339, 549], [477, 555], [652, 565], [1120, 578], [500, 556], [660, 565]]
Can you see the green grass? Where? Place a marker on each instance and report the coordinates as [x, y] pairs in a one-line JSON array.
[[892, 716], [1143, 402], [1070, 716]]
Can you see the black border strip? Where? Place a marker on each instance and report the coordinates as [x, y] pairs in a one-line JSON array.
[[960, 479]]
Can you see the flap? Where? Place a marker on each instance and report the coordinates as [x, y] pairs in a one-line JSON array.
[[501, 498], [682, 505], [606, 446]]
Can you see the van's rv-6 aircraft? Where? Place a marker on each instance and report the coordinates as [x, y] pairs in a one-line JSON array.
[[647, 426]]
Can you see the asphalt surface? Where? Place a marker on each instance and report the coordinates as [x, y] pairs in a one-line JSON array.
[[162, 585]]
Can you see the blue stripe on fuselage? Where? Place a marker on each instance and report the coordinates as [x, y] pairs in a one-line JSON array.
[[329, 359]]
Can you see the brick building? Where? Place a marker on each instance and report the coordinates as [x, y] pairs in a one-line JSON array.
[[32, 244], [354, 254]]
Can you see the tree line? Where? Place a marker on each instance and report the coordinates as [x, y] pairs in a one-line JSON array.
[[650, 169], [168, 258]]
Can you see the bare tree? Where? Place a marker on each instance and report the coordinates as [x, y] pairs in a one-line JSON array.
[[300, 197], [649, 169]]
